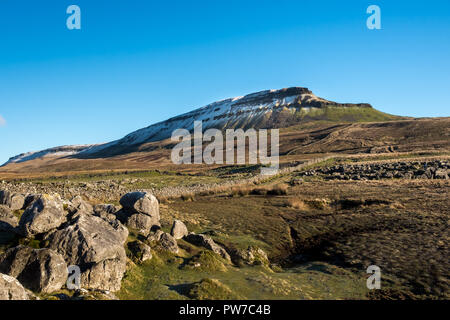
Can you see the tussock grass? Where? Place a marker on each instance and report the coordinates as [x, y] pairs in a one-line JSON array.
[[309, 204]]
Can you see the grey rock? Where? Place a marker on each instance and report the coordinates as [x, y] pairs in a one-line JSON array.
[[141, 202], [208, 243], [39, 270], [5, 197], [155, 235], [96, 246], [250, 256], [8, 221], [17, 201], [140, 222], [179, 230], [441, 174], [11, 289], [140, 251], [140, 211], [105, 209], [105, 275], [77, 204], [167, 242], [45, 214], [13, 200]]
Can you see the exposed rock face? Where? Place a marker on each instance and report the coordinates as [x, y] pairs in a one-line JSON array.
[[77, 204], [179, 230], [40, 270], [250, 256], [141, 222], [11, 289], [17, 201], [105, 209], [95, 245], [208, 243], [13, 200], [5, 197], [140, 251], [441, 174], [167, 242], [140, 211], [155, 235], [8, 222], [438, 169], [45, 214]]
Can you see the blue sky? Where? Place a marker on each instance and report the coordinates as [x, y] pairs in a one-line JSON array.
[[134, 63]]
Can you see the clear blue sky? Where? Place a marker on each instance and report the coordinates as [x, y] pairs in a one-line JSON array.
[[134, 63]]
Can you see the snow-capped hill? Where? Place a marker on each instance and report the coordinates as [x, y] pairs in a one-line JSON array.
[[56, 152], [266, 109], [256, 110]]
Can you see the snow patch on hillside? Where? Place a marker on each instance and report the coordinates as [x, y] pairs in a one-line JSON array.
[[52, 152]]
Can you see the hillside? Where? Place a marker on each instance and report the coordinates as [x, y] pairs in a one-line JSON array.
[[297, 143], [266, 109]]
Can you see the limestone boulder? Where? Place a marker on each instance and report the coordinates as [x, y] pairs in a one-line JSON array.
[[207, 242], [167, 242], [141, 252], [45, 214], [179, 230], [39, 270], [11, 289], [96, 245], [8, 221], [141, 202]]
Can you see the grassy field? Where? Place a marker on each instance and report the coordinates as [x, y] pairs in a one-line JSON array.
[[320, 235], [319, 249]]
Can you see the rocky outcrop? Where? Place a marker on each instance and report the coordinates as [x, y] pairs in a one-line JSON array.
[[45, 214], [389, 170], [105, 209], [39, 270], [8, 221], [140, 211], [140, 222], [11, 289], [205, 241], [15, 201], [179, 230], [141, 252], [77, 204], [167, 242], [250, 256], [5, 197], [155, 235], [96, 245]]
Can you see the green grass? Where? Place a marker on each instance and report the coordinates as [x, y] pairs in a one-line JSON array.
[[211, 289], [206, 261], [146, 179], [345, 114], [164, 277]]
